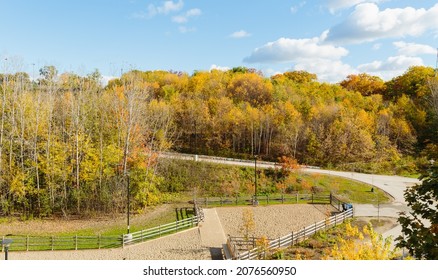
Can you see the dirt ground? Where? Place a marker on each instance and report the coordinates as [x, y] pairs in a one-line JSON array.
[[55, 226]]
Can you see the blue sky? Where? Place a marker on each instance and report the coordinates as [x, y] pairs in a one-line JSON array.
[[330, 38]]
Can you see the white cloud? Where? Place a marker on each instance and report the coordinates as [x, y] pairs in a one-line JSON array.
[[311, 55], [166, 8], [286, 50], [294, 9], [105, 79], [368, 23], [412, 49], [336, 5], [326, 69], [392, 67], [185, 29], [376, 47], [170, 6], [269, 72], [221, 68], [240, 34], [185, 17]]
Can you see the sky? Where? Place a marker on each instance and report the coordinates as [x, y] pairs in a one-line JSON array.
[[333, 38]]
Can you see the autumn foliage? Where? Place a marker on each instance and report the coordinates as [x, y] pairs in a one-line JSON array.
[[68, 144]]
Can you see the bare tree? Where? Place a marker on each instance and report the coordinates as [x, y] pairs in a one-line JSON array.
[[433, 98]]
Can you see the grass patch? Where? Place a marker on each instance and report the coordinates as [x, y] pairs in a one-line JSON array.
[[346, 189]]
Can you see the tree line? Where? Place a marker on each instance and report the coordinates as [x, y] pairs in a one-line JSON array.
[[71, 145]]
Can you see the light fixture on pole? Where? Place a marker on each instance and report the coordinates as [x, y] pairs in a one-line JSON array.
[[255, 201], [129, 200], [6, 243]]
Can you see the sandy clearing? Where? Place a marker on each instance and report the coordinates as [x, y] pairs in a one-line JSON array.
[[273, 221]]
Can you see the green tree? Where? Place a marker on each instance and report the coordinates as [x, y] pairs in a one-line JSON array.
[[420, 225]]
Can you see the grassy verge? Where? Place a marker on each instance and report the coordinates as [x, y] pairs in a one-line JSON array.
[[346, 189]]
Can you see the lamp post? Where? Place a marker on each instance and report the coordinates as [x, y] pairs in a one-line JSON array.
[[129, 200], [256, 202], [378, 207], [5, 243], [128, 192]]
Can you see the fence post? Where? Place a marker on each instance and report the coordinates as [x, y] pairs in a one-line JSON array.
[[98, 240], [315, 228], [236, 200], [27, 243], [335, 219], [267, 199], [76, 242], [297, 197], [292, 235], [52, 241], [159, 230], [3, 239]]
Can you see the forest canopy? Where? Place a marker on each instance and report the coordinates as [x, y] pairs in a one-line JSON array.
[[68, 144]]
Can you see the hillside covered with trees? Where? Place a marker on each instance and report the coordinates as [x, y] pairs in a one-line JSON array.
[[69, 144]]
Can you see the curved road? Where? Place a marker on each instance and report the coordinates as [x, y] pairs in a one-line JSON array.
[[393, 185]]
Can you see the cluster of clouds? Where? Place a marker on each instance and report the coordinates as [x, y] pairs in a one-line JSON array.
[[173, 9], [366, 23]]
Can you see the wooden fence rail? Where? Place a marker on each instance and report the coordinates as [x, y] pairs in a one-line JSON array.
[[159, 231], [267, 199], [235, 252], [77, 242]]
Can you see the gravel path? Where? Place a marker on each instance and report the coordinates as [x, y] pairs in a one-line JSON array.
[[271, 221]]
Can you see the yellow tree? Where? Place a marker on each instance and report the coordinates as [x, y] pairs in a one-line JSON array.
[[354, 244], [364, 83]]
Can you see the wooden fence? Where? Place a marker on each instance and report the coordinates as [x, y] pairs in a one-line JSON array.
[[143, 235], [234, 247], [267, 199], [77, 242]]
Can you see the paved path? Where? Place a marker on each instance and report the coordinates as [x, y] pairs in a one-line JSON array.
[[212, 233]]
